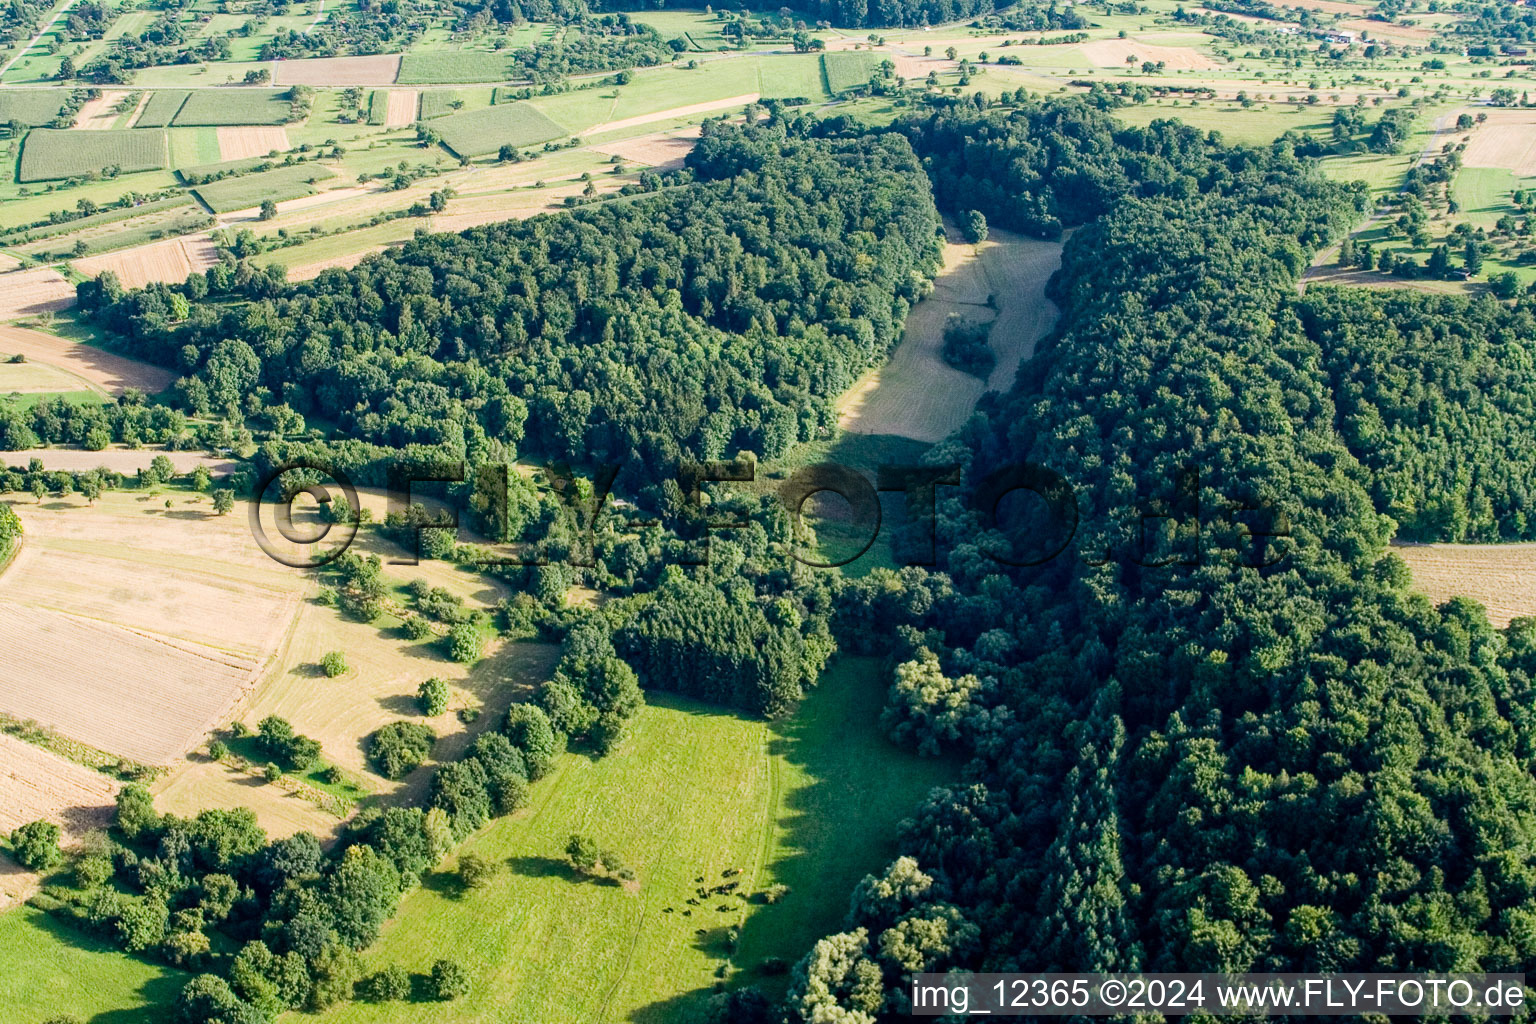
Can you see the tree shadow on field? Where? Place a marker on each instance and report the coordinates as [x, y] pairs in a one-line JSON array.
[[191, 515], [154, 994], [399, 704], [547, 867]]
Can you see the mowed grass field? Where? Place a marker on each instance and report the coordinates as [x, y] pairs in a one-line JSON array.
[[48, 968], [812, 802], [250, 190], [848, 70], [48, 155], [480, 132]]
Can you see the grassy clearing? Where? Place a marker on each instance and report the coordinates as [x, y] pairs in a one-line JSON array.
[[1484, 194], [48, 155], [161, 108], [791, 77], [848, 70], [449, 67], [31, 107], [812, 802], [250, 190], [229, 107], [53, 969], [194, 147], [480, 132]]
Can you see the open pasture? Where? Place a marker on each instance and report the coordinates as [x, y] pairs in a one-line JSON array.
[[49, 155], [481, 132], [810, 802]]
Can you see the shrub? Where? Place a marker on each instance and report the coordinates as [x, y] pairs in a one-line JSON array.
[[416, 628], [463, 642], [334, 664], [432, 697], [391, 985], [399, 748], [447, 981], [92, 870], [973, 225], [273, 771], [475, 870], [36, 845], [218, 750]]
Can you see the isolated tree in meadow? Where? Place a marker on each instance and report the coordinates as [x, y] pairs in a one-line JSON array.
[[432, 697], [475, 871], [39, 490], [333, 664], [201, 479], [463, 642], [223, 501], [36, 845], [582, 853]]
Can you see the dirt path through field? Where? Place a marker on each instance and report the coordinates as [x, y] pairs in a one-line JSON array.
[[102, 370], [918, 395], [668, 115]]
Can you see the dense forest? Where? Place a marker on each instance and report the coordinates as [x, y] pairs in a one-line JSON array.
[[1245, 745], [719, 317], [1218, 732]]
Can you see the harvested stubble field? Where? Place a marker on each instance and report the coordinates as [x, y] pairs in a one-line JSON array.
[[480, 132], [100, 113], [250, 190], [1112, 53], [38, 784], [1507, 139], [34, 378], [200, 784], [29, 292], [1500, 577], [31, 107], [234, 106], [135, 628], [168, 261], [918, 395], [246, 142], [161, 108], [102, 370], [401, 107], [663, 150], [380, 69], [452, 67], [49, 155]]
